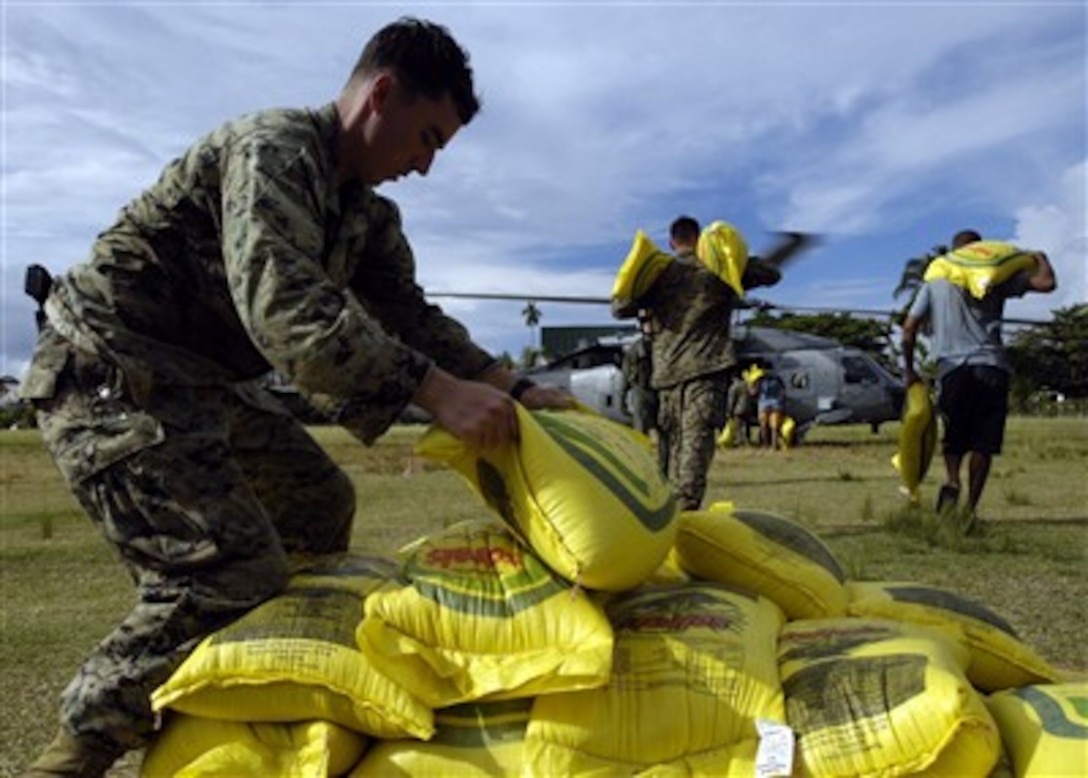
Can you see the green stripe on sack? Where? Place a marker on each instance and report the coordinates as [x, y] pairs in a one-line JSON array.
[[590, 453], [489, 596], [796, 538], [953, 603], [477, 725], [315, 614], [1050, 712], [975, 261]]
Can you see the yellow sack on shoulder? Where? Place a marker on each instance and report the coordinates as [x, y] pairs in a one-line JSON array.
[[917, 438], [878, 697], [584, 492], [193, 747], [999, 658], [979, 266], [294, 658], [1044, 728], [722, 249], [640, 269], [482, 618]]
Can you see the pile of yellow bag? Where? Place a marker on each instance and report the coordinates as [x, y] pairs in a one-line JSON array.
[[717, 643]]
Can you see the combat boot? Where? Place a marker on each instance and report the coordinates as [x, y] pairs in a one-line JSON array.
[[74, 757]]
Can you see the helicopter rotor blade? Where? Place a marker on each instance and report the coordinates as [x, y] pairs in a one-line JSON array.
[[789, 247], [537, 298], [751, 303], [764, 305]]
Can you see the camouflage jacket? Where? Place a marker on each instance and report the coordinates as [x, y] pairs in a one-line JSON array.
[[247, 256], [691, 313]]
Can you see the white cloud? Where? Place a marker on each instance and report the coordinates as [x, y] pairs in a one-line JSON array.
[[1058, 228], [881, 124]]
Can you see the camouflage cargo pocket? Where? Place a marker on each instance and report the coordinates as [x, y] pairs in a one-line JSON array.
[[87, 420], [51, 356]]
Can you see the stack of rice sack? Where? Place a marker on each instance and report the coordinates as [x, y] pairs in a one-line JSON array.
[[590, 629], [890, 678], [365, 649], [284, 690]]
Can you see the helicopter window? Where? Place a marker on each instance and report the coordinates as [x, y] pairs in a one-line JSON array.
[[799, 380], [857, 371]]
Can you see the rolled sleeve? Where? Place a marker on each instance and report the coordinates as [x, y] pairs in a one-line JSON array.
[[385, 278]]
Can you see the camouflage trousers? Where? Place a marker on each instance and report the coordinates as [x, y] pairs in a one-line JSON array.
[[689, 418], [642, 404], [203, 494]]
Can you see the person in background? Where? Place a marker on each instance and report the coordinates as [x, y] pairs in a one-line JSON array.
[[263, 247], [770, 408], [691, 311], [637, 369], [740, 409], [972, 372]]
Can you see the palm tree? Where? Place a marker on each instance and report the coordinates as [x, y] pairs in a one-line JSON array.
[[532, 319], [914, 271]]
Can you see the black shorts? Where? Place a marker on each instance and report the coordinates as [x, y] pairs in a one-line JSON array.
[[974, 401]]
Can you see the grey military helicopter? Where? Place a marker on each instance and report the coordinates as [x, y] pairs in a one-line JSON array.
[[827, 382]]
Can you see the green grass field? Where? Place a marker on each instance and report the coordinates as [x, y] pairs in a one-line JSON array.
[[62, 590]]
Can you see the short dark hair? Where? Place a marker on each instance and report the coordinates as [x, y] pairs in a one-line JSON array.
[[684, 229], [426, 59], [963, 237]]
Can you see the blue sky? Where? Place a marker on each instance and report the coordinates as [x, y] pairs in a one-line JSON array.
[[885, 126]]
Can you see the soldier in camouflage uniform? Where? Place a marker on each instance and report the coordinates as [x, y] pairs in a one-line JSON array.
[[264, 246], [693, 357], [690, 311], [637, 369]]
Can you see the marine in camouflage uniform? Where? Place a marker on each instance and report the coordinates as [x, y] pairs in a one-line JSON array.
[[637, 369], [250, 253], [693, 358]]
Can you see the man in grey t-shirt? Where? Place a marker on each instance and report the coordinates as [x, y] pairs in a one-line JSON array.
[[972, 370]]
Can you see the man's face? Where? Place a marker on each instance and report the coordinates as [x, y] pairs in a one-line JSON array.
[[403, 132]]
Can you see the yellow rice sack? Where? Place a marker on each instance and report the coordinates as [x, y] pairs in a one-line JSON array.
[[777, 557], [294, 658], [877, 697], [482, 617], [999, 658], [723, 250], [584, 492], [473, 740], [1044, 728], [192, 747], [670, 572], [693, 672], [979, 266], [640, 269], [789, 427], [728, 436], [917, 438]]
